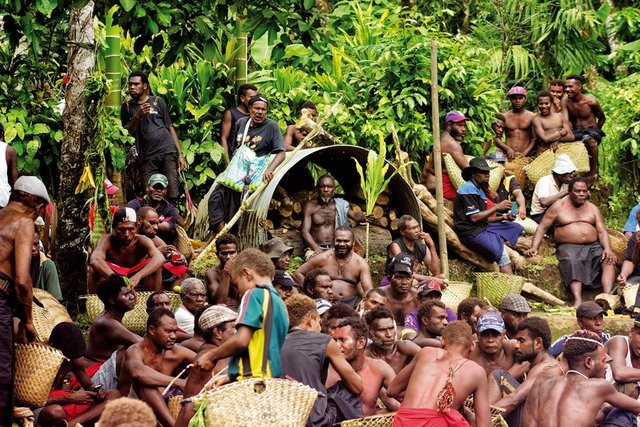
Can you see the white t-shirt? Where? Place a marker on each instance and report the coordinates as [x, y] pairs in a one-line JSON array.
[[546, 187], [185, 319]]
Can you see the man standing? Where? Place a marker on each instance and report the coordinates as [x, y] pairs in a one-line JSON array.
[[582, 242], [586, 117], [349, 272], [155, 198], [26, 203], [450, 142], [590, 318], [550, 128], [413, 241], [514, 308], [551, 188], [193, 297], [384, 343], [231, 117], [147, 119], [452, 378], [401, 297], [476, 225], [322, 216], [519, 139], [8, 169]]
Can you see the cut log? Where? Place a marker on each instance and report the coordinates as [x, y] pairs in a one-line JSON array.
[[378, 212], [285, 211], [290, 224], [393, 224], [392, 214], [274, 204], [267, 224], [383, 222], [356, 209], [383, 199], [423, 195], [297, 206], [545, 296]]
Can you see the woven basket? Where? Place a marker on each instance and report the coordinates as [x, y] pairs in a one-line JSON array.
[[493, 286], [618, 244], [174, 405], [516, 167], [543, 164], [629, 295], [47, 312], [255, 402], [454, 293], [529, 225], [36, 368], [578, 154], [540, 166], [183, 243], [384, 420], [455, 173], [496, 413], [134, 320], [613, 301]]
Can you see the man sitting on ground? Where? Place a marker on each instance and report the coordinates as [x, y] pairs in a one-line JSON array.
[[513, 310], [193, 297], [150, 364], [349, 272], [219, 290], [127, 254], [306, 356], [415, 242], [470, 309], [625, 360], [432, 317], [427, 291], [401, 297], [334, 315], [351, 338], [44, 274], [317, 284], [376, 297], [590, 318], [493, 351], [452, 376], [384, 342], [582, 242], [158, 299], [551, 188]]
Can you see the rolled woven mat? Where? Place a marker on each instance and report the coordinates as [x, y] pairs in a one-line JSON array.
[[455, 173], [543, 164], [384, 420], [529, 225], [618, 244], [260, 402], [454, 293], [36, 368], [493, 286], [613, 301], [47, 312], [629, 295], [134, 320]]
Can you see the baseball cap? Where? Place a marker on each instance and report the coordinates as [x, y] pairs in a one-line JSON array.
[[110, 188], [283, 278], [259, 97], [124, 215], [402, 263], [563, 165], [455, 116], [497, 156], [589, 309], [31, 185], [275, 247], [490, 320], [515, 302], [158, 178], [428, 286], [322, 305], [216, 315], [517, 90]]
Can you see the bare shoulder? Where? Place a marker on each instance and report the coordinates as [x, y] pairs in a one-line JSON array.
[[311, 204], [549, 368], [379, 366], [408, 347]]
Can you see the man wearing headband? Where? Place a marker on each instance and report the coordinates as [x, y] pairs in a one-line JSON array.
[[127, 254], [576, 398], [259, 149]]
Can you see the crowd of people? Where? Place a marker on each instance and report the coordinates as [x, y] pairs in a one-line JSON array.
[[367, 348]]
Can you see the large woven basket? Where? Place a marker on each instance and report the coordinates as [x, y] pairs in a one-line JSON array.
[[493, 286], [36, 368], [183, 242], [496, 413], [47, 312], [516, 167], [618, 244], [134, 320], [578, 154], [455, 173], [454, 293], [384, 420], [543, 164], [260, 402], [629, 295]]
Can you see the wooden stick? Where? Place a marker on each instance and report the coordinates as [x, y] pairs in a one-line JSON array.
[[176, 378]]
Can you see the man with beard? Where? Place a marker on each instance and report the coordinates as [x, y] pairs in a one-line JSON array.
[[427, 291], [586, 117], [550, 128], [323, 215], [168, 215], [349, 272], [556, 89], [576, 398], [432, 316], [126, 253], [450, 142], [150, 364], [513, 310], [493, 351], [401, 297], [532, 341], [476, 224], [415, 242], [582, 242], [376, 374], [317, 284], [519, 140], [384, 343], [147, 119], [552, 187], [218, 278]]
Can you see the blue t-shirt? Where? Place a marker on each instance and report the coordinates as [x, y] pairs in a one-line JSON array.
[[632, 222], [469, 200]]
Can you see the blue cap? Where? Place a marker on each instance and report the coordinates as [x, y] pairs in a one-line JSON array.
[[490, 320], [497, 156]]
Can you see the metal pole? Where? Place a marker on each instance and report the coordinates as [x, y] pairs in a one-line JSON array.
[[437, 159]]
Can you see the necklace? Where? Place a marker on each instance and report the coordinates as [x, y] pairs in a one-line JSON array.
[[342, 265], [576, 372]]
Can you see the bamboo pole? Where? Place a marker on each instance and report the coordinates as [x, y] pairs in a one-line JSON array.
[[437, 159]]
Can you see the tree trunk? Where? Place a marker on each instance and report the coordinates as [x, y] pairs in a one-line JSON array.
[[72, 226]]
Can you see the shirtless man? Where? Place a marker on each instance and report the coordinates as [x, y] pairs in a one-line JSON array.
[[384, 343], [451, 375], [586, 117], [450, 142], [533, 338], [550, 128], [519, 140], [376, 297], [322, 216], [493, 351], [293, 136], [401, 297], [415, 242], [576, 398], [556, 89], [127, 254], [26, 203], [217, 278], [150, 364], [349, 272], [351, 337], [432, 316], [317, 284], [582, 242]]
